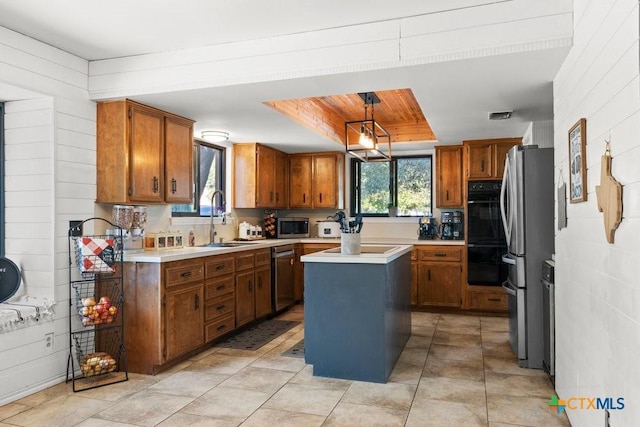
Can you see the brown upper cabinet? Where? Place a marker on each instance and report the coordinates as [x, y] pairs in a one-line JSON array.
[[144, 155], [484, 159], [449, 182], [260, 177], [316, 181]]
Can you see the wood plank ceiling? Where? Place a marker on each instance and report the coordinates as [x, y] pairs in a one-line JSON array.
[[398, 112]]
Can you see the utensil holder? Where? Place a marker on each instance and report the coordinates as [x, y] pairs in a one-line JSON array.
[[350, 243]]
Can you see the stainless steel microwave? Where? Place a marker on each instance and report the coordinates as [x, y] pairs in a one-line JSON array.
[[290, 228]]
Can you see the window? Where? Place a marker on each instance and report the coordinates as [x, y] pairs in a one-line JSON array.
[[404, 182], [208, 174]]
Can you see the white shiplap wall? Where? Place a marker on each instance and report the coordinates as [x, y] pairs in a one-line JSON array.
[[50, 179], [597, 285]]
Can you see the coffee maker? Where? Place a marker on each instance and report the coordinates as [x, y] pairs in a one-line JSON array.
[[427, 229], [452, 225]]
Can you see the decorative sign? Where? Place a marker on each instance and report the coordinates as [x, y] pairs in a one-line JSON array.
[[609, 195], [578, 162], [9, 279]]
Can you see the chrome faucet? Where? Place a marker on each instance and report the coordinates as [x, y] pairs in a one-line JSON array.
[[212, 229]]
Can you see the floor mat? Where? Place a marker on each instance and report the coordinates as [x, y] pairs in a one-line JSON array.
[[257, 336], [297, 350]]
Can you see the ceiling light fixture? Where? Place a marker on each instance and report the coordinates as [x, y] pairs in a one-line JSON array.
[[215, 135], [366, 139]]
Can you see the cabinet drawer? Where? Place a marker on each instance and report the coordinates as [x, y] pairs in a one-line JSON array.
[[218, 308], [245, 261], [488, 301], [263, 257], [218, 266], [441, 254], [183, 273], [218, 288], [220, 327]]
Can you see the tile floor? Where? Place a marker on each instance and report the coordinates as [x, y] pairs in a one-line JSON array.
[[456, 370]]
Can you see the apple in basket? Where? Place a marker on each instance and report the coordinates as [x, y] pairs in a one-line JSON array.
[[105, 301]]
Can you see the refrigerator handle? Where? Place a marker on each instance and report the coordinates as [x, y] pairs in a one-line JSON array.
[[508, 260], [503, 211], [508, 289]]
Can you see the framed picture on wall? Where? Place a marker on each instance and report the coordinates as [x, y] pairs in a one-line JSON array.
[[578, 162]]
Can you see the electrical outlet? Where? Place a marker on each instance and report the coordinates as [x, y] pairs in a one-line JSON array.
[[48, 341], [606, 418], [75, 228]]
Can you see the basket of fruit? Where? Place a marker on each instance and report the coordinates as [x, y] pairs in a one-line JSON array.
[[96, 313], [97, 363]]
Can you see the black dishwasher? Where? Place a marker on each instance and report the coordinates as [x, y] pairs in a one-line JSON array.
[[548, 319], [282, 281]]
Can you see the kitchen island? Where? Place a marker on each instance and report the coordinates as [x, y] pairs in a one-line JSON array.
[[357, 311]]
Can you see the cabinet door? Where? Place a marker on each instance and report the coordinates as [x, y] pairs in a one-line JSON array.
[[414, 283], [325, 180], [282, 180], [183, 320], [449, 183], [439, 284], [501, 151], [479, 158], [265, 177], [178, 159], [263, 291], [147, 155], [245, 300], [300, 173]]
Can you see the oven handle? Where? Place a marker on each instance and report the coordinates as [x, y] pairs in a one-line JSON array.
[[507, 259], [508, 289]]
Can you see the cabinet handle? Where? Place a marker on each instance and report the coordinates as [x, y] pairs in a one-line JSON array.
[[221, 327], [271, 196], [447, 194], [440, 254], [174, 185], [304, 198], [429, 274], [494, 299], [277, 197], [197, 301], [320, 197], [220, 308], [185, 274], [219, 266], [291, 261], [156, 183], [221, 287], [482, 165]]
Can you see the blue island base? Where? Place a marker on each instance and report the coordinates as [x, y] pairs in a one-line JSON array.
[[357, 318]]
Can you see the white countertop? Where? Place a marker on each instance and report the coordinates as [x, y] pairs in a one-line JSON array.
[[370, 254], [168, 255]]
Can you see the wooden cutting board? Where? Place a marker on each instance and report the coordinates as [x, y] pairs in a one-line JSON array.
[[609, 194]]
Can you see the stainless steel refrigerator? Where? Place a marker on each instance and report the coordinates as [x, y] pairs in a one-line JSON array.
[[526, 205]]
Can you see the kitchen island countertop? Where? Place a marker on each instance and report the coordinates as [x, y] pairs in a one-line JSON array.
[[369, 254]]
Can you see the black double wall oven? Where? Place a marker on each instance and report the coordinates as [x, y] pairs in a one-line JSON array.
[[486, 241]]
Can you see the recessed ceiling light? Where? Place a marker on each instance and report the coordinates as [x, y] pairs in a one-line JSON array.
[[500, 115], [215, 135]]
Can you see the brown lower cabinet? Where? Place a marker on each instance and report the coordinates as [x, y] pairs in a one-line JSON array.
[[176, 308], [439, 276]]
